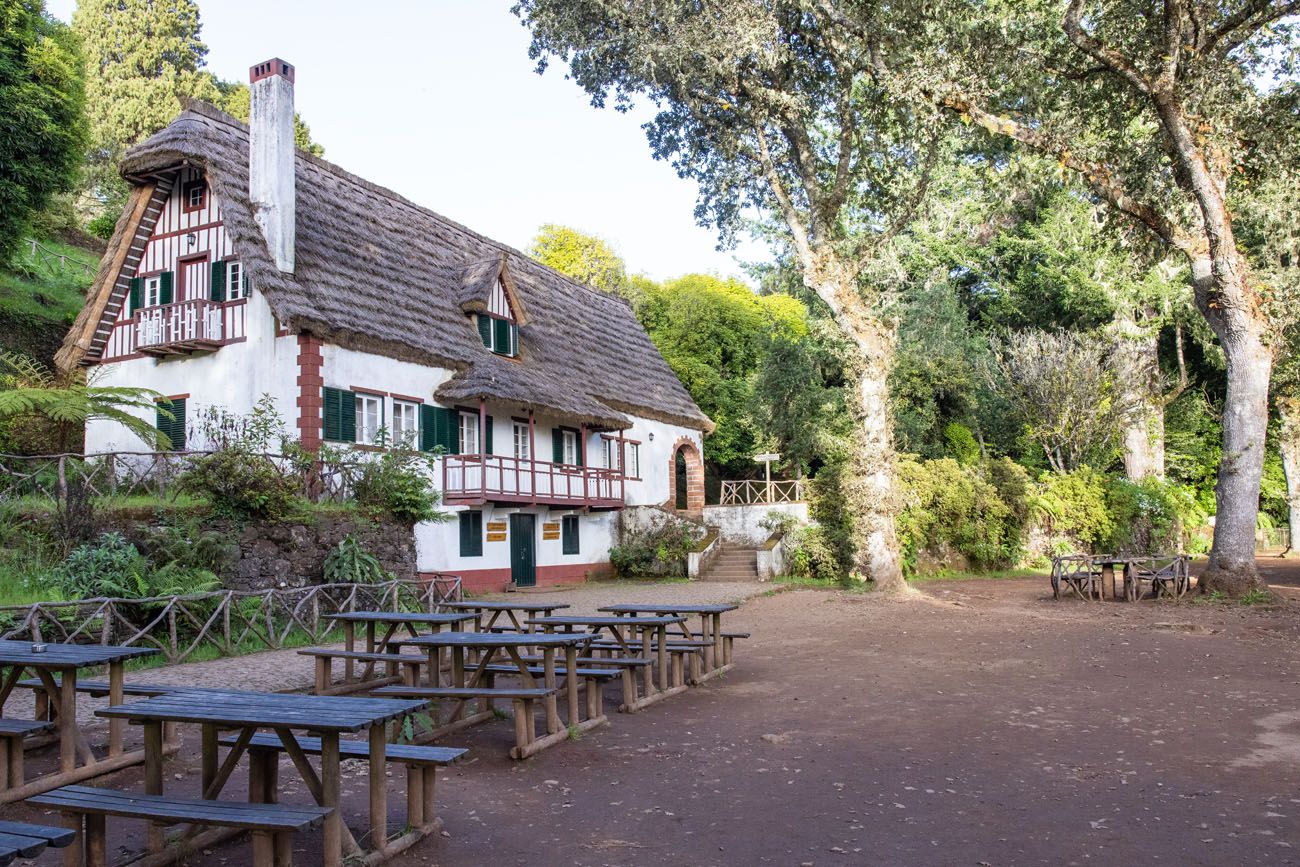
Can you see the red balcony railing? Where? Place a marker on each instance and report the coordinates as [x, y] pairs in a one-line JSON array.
[[185, 326], [476, 479]]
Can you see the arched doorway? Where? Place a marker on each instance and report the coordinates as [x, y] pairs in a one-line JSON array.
[[686, 475]]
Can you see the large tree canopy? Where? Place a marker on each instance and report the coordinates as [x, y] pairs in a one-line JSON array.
[[586, 258], [42, 135]]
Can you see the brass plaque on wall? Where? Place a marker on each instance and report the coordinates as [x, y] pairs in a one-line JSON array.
[[550, 531]]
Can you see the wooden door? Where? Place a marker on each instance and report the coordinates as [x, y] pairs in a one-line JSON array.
[[523, 554], [192, 279]]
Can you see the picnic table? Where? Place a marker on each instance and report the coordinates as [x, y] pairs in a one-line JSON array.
[[640, 646], [285, 714], [510, 609], [710, 615], [1090, 576], [487, 646], [60, 699], [391, 623]]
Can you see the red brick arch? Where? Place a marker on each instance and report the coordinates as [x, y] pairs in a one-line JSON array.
[[694, 476]]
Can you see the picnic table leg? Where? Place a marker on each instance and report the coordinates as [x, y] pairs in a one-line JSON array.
[[115, 680], [209, 755], [68, 721], [571, 681], [717, 640], [329, 784], [349, 644], [153, 777], [96, 841], [649, 685], [661, 633], [379, 788], [552, 710]]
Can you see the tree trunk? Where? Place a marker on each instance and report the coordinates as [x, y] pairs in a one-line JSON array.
[[1289, 446], [1144, 431], [870, 492], [1245, 424]]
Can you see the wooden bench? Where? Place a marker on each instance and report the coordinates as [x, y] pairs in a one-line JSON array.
[[627, 666], [15, 732], [524, 700], [728, 642], [25, 840], [679, 649], [86, 807], [421, 763], [325, 657]]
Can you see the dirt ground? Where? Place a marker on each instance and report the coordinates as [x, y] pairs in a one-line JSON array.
[[980, 723]]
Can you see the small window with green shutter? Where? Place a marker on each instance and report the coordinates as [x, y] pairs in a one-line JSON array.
[[166, 290], [485, 330], [134, 296], [471, 534], [217, 289], [339, 415], [171, 423], [439, 428], [569, 535]]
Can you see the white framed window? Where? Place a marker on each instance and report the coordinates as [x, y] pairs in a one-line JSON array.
[[370, 417], [569, 449], [611, 454], [633, 469], [406, 423], [469, 441], [152, 291], [522, 450], [235, 281]]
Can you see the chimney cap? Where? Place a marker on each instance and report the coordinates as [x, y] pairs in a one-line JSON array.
[[268, 68]]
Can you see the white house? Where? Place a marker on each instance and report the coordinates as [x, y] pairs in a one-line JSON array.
[[242, 267]]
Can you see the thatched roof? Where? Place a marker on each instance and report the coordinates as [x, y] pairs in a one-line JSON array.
[[378, 273]]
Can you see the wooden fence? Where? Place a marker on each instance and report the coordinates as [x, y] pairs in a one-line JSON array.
[[49, 480], [46, 258], [229, 621], [748, 492]]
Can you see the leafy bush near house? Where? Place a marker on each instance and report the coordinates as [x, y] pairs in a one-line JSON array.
[[239, 479], [813, 555], [1115, 515], [350, 563], [653, 552], [396, 483], [112, 566]]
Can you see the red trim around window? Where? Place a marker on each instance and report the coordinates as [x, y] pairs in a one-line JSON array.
[[406, 398], [186, 207]]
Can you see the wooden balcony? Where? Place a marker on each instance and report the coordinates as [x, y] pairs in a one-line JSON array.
[[176, 329], [474, 480]]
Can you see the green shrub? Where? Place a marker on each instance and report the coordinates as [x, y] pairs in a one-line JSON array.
[[653, 552], [1074, 504], [960, 444], [950, 506], [349, 562], [814, 555], [187, 547], [110, 566], [397, 484], [829, 540]]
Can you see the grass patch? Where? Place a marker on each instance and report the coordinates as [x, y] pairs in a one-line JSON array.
[[36, 287], [1256, 597]]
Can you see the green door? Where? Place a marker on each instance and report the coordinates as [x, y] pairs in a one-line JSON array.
[[523, 557]]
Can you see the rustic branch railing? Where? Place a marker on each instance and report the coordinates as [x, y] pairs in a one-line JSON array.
[[748, 492], [48, 479], [227, 620], [47, 258]]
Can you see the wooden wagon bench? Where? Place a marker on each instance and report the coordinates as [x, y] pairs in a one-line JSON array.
[[25, 840], [86, 809], [1091, 576]]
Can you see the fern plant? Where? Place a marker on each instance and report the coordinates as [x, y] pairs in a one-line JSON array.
[[350, 563]]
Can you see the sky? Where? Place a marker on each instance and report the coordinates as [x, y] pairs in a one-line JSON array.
[[437, 100]]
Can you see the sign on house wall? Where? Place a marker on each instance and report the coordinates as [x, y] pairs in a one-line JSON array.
[[551, 531], [496, 531]]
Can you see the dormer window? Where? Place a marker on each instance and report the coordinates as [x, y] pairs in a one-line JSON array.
[[499, 335]]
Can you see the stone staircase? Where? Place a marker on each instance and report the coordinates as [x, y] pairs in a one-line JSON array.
[[733, 564]]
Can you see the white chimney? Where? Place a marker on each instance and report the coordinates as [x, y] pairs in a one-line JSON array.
[[271, 156]]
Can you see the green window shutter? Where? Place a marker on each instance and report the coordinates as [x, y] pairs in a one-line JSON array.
[[485, 330], [166, 292], [578, 449], [502, 336], [174, 427], [218, 288], [428, 427], [569, 535], [340, 415], [471, 534], [446, 429], [134, 296], [557, 445], [347, 416], [487, 436]]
